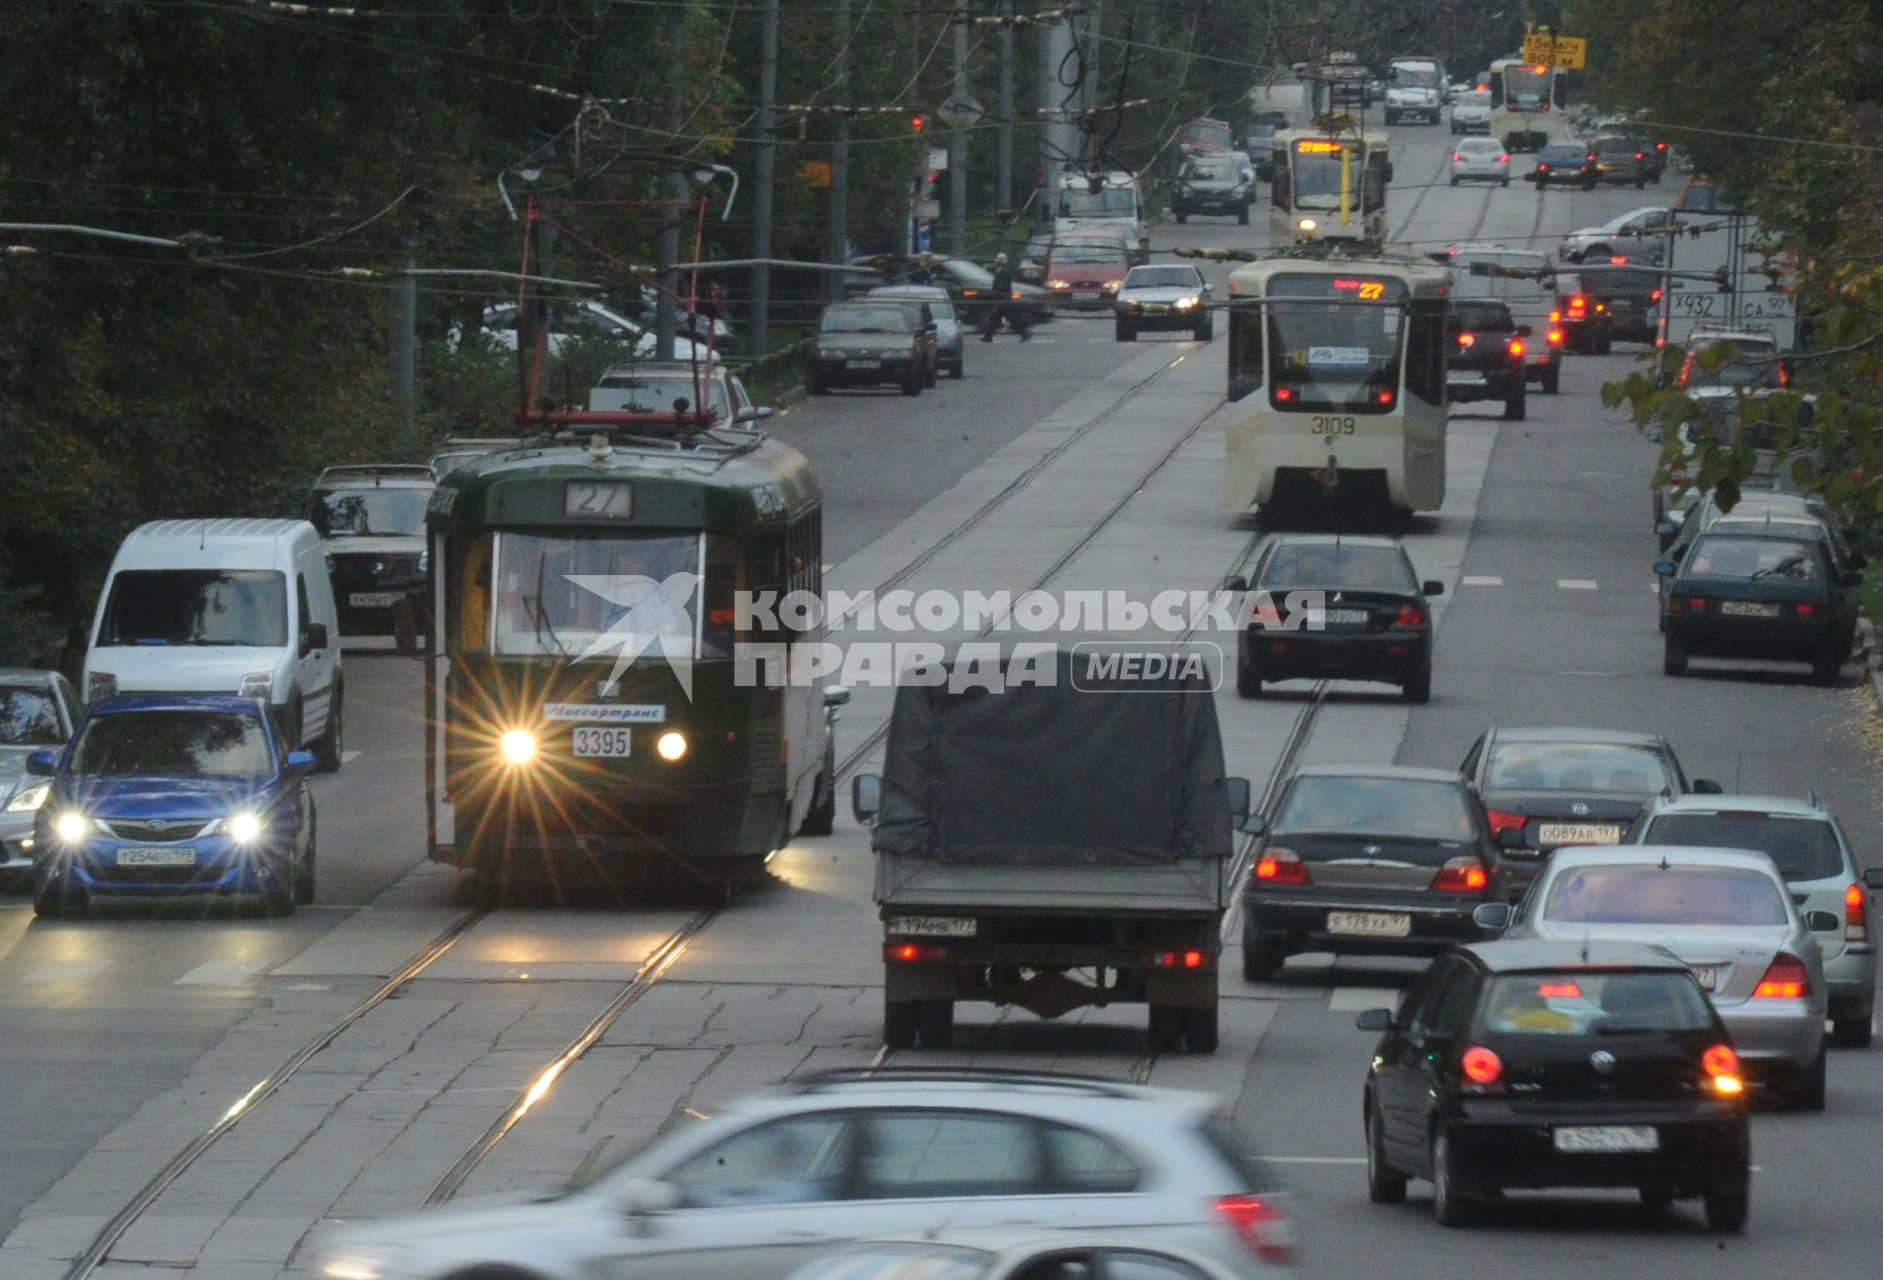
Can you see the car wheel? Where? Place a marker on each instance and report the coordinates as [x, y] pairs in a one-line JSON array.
[[277, 894], [822, 815], [1182, 217], [1640, 183], [1552, 379], [1514, 407], [291, 721], [816, 386], [1384, 1184], [56, 897], [936, 1024], [1673, 655], [1504, 183], [1656, 1197], [1828, 668], [405, 627], [1450, 1205], [332, 744], [1853, 1033], [1200, 1029], [1726, 1210], [1418, 690], [1248, 680], [930, 378], [1808, 1094], [1454, 182], [1242, 216], [1261, 960], [1206, 331], [958, 369], [901, 1019], [1124, 332], [305, 869], [912, 385], [1166, 1028]]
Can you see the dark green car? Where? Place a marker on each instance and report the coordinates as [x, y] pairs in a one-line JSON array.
[[1758, 595]]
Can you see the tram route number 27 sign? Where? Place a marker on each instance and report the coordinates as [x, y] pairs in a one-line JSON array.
[[1568, 53]]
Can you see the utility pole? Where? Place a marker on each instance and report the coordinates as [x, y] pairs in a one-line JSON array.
[[1090, 64], [666, 317], [405, 328], [838, 246], [1003, 176], [763, 173], [958, 143], [1056, 133]]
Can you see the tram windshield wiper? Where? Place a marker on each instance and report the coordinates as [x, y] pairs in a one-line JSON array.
[[539, 617]]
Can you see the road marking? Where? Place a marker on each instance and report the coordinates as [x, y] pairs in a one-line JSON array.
[[1355, 999], [221, 973], [1481, 580], [1576, 584], [348, 757], [66, 971]]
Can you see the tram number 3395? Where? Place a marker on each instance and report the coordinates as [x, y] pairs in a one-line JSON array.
[[1331, 426], [589, 740]]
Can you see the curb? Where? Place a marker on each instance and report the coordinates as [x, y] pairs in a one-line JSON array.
[[1872, 658]]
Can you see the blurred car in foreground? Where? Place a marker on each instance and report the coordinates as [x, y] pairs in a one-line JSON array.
[[770, 1182], [38, 710], [1527, 1065], [1017, 1253]]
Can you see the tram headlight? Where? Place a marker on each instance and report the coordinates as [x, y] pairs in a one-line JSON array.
[[671, 745], [517, 746], [1306, 224]]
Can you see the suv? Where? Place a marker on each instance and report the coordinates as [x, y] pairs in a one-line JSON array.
[[1808, 847], [1487, 356], [1621, 160], [1615, 303], [371, 521], [863, 342], [837, 1157], [1523, 280], [1752, 363]]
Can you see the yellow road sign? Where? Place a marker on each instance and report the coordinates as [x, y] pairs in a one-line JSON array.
[[815, 173], [1566, 52]]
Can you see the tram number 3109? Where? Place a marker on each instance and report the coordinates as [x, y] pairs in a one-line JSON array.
[[1331, 426]]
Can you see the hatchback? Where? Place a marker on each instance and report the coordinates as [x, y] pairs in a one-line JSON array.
[[770, 1182], [1622, 160], [1762, 595], [1565, 163], [1480, 160], [1015, 1253]]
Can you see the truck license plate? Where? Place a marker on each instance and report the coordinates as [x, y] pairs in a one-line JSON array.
[[594, 740], [374, 599], [935, 926]]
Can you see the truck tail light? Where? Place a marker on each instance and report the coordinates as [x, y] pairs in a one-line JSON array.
[[1856, 919], [1261, 1225], [1556, 337], [1182, 960], [1281, 866], [1463, 874], [1578, 305], [1502, 822], [1786, 978], [914, 952]]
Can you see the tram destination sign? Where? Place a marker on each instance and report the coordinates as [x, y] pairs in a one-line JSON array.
[[1566, 53]]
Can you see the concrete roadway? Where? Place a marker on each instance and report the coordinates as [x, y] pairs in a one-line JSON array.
[[1556, 625]]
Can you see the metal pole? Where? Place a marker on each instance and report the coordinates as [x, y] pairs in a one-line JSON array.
[[762, 170], [405, 329], [1055, 134], [838, 246], [1003, 177], [958, 144], [667, 249], [1089, 68]]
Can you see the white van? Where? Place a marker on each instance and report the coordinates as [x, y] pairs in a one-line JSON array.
[[225, 606], [1115, 199]]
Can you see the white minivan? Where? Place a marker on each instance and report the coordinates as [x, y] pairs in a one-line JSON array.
[[225, 606]]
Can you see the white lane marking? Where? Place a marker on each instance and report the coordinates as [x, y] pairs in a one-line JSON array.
[[66, 971], [1576, 584], [1481, 580], [1355, 999], [222, 973], [1315, 1159], [348, 757]]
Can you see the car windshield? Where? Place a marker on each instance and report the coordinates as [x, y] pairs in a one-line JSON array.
[[1753, 559], [1589, 768], [1088, 252], [369, 512], [1113, 202], [1585, 1002], [218, 743], [28, 717], [1652, 894], [656, 392], [1802, 848], [1161, 278], [865, 320], [1330, 564], [1209, 134], [616, 595], [245, 607], [912, 1261], [1206, 173], [1406, 807], [1341, 337], [1415, 77], [1526, 88]]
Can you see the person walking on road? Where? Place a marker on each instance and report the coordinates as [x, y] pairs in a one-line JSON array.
[[1002, 289]]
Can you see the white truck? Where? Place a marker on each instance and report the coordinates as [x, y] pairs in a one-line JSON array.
[[1415, 88], [1113, 198], [1724, 280]]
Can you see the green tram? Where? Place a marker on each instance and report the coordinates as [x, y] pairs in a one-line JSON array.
[[585, 712]]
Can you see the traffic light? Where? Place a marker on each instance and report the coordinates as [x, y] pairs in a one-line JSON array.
[[931, 187], [918, 123]]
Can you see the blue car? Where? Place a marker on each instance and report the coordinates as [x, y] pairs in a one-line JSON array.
[[161, 795]]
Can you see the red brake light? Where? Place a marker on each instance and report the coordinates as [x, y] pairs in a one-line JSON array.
[[1660, 146], [1504, 158], [1409, 615], [1577, 305], [1556, 317], [1516, 346], [1856, 921], [1656, 298], [1463, 874], [1786, 978], [1617, 261], [1721, 1065], [1261, 1225], [1282, 866], [914, 952], [1559, 991], [1456, 156], [1502, 822], [1384, 396], [1181, 959], [1541, 167], [1481, 1066], [1556, 337], [1284, 394], [1466, 339], [1640, 156], [1806, 610]]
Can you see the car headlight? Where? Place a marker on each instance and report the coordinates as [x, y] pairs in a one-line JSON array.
[[1110, 286], [424, 561], [1184, 304], [30, 799], [256, 684], [243, 828], [517, 746], [671, 745], [73, 826], [1057, 284]]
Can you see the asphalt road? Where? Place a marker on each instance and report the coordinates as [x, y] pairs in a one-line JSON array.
[[1551, 622]]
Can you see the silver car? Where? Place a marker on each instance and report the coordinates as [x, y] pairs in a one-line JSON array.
[[771, 1182], [1728, 914], [950, 341], [1015, 1253], [1808, 847], [1636, 234], [1164, 296], [37, 711]]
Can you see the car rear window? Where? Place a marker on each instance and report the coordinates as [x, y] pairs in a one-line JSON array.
[[1587, 767], [1485, 146], [1483, 317], [1776, 559], [28, 718], [1593, 1002], [1801, 848], [1555, 154], [1327, 564], [1410, 807], [878, 319], [1652, 894]]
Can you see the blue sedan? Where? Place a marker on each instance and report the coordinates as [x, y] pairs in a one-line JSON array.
[[163, 795]]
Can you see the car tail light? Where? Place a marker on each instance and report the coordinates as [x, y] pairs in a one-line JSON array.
[[1182, 960], [1541, 167], [1577, 306], [1261, 1225], [1721, 1065], [1806, 610], [1281, 866], [1856, 920], [1617, 261], [1559, 990], [1640, 155], [1556, 337], [1284, 394], [1660, 146], [1466, 339], [1655, 297], [1409, 615], [1456, 157], [1483, 1069], [914, 952], [1516, 346], [1556, 317], [1463, 874], [1502, 822], [1786, 978], [1504, 158]]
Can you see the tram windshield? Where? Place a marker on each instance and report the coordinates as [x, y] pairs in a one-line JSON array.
[[1526, 88], [1335, 339], [561, 595], [1107, 202], [1317, 173]]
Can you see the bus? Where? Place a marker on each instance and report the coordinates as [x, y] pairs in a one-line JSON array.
[[1330, 184], [1336, 403], [587, 714], [1527, 105]]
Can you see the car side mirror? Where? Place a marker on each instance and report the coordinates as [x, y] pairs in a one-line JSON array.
[[1493, 917], [1237, 789], [1235, 582], [1432, 587], [1524, 331], [1664, 568], [866, 798], [643, 1196], [300, 764], [1374, 1020], [1707, 787], [835, 695], [42, 764], [1510, 838], [763, 411], [1823, 921], [1667, 528], [313, 636], [1253, 824], [1873, 878]]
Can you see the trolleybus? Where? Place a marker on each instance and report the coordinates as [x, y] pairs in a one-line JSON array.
[[1330, 184], [1336, 401], [1527, 105], [585, 708]]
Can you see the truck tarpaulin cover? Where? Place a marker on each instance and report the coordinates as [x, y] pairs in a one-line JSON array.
[[1089, 771]]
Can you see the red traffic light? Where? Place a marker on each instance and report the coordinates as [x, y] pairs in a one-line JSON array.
[[918, 123]]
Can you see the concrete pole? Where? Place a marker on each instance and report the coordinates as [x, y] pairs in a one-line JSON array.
[[667, 251], [405, 329], [837, 247], [763, 173], [958, 144], [1088, 87], [1058, 137], [1003, 176]]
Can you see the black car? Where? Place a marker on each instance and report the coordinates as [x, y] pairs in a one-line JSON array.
[[1564, 164], [1374, 861], [1607, 304], [1556, 1064], [1328, 606], [1653, 149], [1545, 788], [1753, 594], [1621, 161], [863, 343], [371, 521], [1487, 356], [1211, 182], [971, 287]]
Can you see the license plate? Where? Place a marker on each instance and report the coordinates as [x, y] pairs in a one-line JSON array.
[[167, 856], [1338, 617], [1464, 378], [1607, 1137], [1372, 924], [595, 740], [1748, 609], [1578, 833], [863, 364], [1706, 975], [374, 599], [1155, 308], [935, 926]]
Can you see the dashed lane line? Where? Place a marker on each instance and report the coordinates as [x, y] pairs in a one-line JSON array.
[[1576, 584], [1481, 580]]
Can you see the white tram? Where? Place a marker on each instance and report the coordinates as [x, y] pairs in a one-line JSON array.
[[1527, 105], [1336, 402], [1330, 184]]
